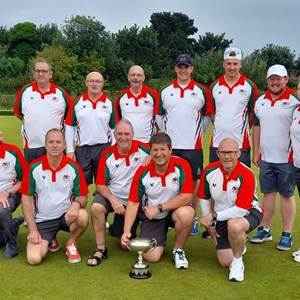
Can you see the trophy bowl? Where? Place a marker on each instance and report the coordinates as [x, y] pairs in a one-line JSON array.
[[140, 269]]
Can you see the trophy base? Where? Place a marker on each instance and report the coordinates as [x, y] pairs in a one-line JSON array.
[[139, 275]]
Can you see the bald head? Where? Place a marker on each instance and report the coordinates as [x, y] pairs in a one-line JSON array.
[[229, 143], [94, 76]]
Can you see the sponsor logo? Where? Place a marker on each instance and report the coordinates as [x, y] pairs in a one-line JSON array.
[[214, 184], [66, 178], [235, 189], [5, 165], [151, 184], [44, 177], [84, 106], [219, 92]]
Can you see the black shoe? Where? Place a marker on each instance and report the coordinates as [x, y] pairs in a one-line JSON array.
[[205, 235], [10, 250]]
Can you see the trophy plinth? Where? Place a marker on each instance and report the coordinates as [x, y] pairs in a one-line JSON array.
[[140, 269]]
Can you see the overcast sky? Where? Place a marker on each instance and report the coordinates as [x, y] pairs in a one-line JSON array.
[[250, 23]]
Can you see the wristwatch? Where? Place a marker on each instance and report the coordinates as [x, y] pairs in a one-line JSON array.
[[214, 220], [214, 216], [160, 208]]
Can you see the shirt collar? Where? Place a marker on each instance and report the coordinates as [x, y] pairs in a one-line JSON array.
[[190, 86], [134, 148], [284, 96], [46, 166], [102, 98], [235, 173], [241, 81], [170, 169]]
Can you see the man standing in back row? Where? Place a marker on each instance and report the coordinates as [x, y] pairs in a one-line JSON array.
[[40, 105], [272, 152], [90, 122], [231, 106], [181, 110], [136, 104]]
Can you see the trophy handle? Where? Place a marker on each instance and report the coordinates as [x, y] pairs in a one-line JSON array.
[[153, 244]]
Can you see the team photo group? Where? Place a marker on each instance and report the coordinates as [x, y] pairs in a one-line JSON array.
[[142, 156]]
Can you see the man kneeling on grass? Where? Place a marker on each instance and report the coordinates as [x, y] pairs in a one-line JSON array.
[[167, 184], [231, 185], [57, 185]]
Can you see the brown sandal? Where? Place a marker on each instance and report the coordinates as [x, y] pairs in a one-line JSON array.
[[97, 258]]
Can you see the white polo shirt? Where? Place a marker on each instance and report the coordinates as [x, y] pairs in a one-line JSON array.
[[12, 166], [295, 136], [139, 111], [41, 111], [275, 119], [93, 121], [116, 170], [161, 188], [53, 190], [183, 110], [237, 190], [231, 107]]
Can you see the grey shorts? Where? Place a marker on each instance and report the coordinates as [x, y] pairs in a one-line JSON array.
[[277, 178], [195, 159], [49, 229], [244, 158], [254, 218], [117, 226], [88, 158]]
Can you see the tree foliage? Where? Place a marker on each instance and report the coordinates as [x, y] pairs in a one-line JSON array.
[[84, 35], [274, 54], [23, 41], [174, 32], [83, 45], [211, 42]]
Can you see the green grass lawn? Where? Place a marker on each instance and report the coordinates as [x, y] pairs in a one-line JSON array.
[[269, 273]]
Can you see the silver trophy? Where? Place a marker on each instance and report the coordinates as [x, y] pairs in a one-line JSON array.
[[140, 267]]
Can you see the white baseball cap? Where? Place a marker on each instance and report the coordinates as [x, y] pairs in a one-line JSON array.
[[233, 53], [279, 70]]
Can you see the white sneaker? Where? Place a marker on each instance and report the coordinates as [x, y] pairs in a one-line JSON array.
[[297, 258], [236, 271], [297, 253], [106, 225], [180, 259]]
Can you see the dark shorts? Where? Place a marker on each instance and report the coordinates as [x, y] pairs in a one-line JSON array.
[[156, 228], [277, 178], [117, 226], [244, 158], [254, 218], [195, 159], [34, 153], [88, 158], [49, 229], [297, 177]]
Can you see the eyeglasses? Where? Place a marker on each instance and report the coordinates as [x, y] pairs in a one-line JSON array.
[[229, 153], [98, 82], [41, 71]]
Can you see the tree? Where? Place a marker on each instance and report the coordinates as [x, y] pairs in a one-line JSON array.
[[48, 33], [208, 66], [139, 46], [84, 35], [67, 70], [211, 42], [11, 67], [274, 54], [174, 31], [23, 41]]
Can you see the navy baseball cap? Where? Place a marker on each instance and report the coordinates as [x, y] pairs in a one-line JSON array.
[[183, 59]]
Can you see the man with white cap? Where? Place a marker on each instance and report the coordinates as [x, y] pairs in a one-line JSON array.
[[272, 153], [231, 106]]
